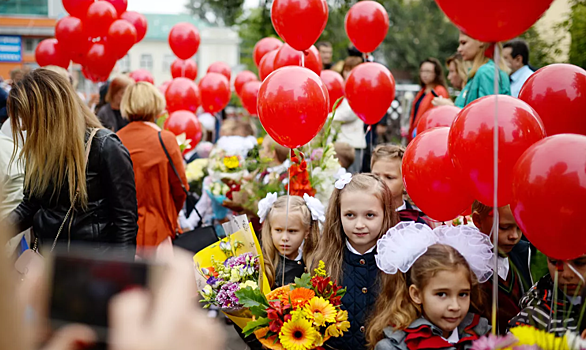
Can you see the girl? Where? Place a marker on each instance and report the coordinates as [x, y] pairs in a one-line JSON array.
[[431, 77], [481, 76], [430, 283], [359, 212], [288, 238]]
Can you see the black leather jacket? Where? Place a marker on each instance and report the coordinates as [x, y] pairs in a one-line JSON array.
[[110, 220]]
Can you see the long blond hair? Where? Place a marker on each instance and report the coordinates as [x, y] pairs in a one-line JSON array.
[[481, 59], [331, 245], [394, 306], [270, 253], [56, 121]]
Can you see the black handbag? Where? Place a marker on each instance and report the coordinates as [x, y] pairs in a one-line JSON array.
[[200, 237]]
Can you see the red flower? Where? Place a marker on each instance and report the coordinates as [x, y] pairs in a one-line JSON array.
[[275, 314]]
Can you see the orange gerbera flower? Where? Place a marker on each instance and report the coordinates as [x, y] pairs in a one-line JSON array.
[[300, 296]]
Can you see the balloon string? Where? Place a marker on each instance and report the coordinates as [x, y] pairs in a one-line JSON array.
[[303, 59], [183, 70], [287, 213], [495, 219]]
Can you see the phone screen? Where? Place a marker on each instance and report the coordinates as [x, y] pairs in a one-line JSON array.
[[83, 286]]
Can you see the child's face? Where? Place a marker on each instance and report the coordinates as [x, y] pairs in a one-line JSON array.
[[390, 171], [445, 299], [509, 233], [266, 151], [287, 241], [362, 219], [568, 281]]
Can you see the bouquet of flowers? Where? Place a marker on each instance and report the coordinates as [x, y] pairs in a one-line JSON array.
[[530, 338], [300, 316], [300, 180], [195, 172]]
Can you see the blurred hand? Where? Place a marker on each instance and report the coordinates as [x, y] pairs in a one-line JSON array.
[[72, 337], [170, 319], [440, 101]]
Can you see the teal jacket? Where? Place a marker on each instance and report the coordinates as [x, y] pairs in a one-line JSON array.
[[483, 84]]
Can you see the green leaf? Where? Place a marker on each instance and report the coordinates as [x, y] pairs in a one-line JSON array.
[[304, 281], [255, 325], [253, 299]]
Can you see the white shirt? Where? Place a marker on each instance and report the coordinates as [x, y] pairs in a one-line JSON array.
[[503, 271], [454, 338], [352, 128], [352, 250], [518, 79], [403, 207]]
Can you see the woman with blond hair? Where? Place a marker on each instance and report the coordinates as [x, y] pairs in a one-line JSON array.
[[481, 76], [158, 166], [79, 183], [109, 114]]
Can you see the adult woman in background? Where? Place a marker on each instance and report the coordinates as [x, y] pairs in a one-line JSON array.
[[431, 77], [160, 192], [79, 183], [481, 76], [109, 114], [457, 75]]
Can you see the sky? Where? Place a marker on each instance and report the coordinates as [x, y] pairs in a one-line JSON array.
[[165, 6]]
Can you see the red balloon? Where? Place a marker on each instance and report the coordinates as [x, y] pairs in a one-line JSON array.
[[335, 85], [267, 65], [501, 20], [221, 68], [119, 5], [549, 192], [556, 92], [370, 90], [185, 122], [142, 75], [287, 56], [431, 179], [367, 24], [264, 46], [121, 37], [69, 32], [50, 53], [215, 92], [184, 40], [138, 21], [471, 143], [299, 22], [183, 93], [164, 86], [243, 78], [99, 61], [100, 15], [437, 117], [249, 96], [77, 8], [184, 68], [293, 106]]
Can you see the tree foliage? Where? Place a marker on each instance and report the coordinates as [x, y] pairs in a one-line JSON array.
[[577, 27], [220, 12]]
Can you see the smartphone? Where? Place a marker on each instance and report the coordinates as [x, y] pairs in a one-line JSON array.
[[84, 282], [434, 93]]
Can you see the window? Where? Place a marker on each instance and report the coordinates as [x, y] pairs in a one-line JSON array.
[[167, 62], [124, 64], [24, 7], [146, 61], [30, 44]]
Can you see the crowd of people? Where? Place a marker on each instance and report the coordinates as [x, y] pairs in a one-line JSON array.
[[113, 179]]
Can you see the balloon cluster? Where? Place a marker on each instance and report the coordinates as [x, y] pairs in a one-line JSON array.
[[95, 35]]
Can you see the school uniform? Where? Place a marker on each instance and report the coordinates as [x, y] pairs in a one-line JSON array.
[[360, 278], [424, 335], [408, 213]]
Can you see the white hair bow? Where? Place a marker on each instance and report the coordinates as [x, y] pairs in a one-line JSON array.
[[315, 207], [403, 244], [265, 205], [343, 181]]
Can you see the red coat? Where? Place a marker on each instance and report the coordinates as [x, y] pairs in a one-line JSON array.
[[424, 106]]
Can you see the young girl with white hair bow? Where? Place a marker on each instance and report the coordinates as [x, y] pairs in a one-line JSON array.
[[430, 283]]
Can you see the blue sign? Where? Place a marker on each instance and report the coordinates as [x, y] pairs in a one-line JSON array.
[[10, 48]]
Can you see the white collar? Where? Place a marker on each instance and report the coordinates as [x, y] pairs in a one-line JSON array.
[[354, 251], [402, 207], [454, 338], [577, 300], [521, 72], [503, 271]]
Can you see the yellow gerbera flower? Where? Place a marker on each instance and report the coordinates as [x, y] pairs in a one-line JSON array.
[[528, 335], [231, 162], [320, 311], [297, 334]]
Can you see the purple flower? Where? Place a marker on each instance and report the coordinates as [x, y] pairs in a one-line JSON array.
[[239, 260], [212, 281], [226, 297], [317, 154], [492, 342]]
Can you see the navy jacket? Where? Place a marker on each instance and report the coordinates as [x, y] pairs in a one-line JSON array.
[[360, 278]]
